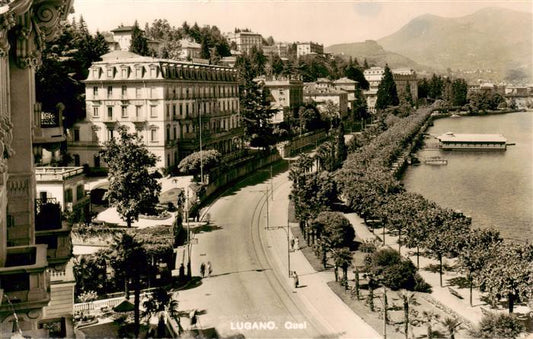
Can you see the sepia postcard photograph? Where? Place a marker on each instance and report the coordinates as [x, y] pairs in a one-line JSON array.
[[266, 169]]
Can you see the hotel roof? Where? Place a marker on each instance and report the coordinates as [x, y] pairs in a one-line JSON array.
[[453, 137]]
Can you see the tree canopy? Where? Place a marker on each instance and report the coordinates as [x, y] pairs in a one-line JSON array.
[[387, 93], [65, 64], [132, 188]]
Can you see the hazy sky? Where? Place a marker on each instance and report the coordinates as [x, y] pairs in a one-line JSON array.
[[327, 22]]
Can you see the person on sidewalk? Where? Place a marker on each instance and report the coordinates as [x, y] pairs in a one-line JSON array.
[[296, 244], [295, 278], [209, 269], [292, 244], [202, 269]]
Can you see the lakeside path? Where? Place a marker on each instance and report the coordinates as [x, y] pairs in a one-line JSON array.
[[446, 301]]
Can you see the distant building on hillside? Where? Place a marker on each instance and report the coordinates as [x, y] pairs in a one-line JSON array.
[[164, 101], [122, 36], [189, 49], [287, 93], [402, 77], [322, 91], [279, 49], [305, 48], [245, 40], [349, 86]]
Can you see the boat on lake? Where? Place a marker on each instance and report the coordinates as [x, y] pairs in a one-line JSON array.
[[436, 160]]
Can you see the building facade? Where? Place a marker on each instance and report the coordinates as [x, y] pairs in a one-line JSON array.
[[305, 48], [34, 243], [245, 40], [279, 49], [189, 50], [287, 94], [322, 92], [122, 36], [349, 86], [404, 78], [62, 184], [163, 101]]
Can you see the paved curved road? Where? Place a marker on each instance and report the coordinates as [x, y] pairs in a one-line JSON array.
[[249, 292], [246, 294]]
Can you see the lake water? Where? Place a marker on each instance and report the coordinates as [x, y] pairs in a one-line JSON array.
[[494, 188]]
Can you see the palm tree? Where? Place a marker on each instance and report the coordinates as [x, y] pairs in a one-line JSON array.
[[408, 299], [451, 325], [429, 317], [128, 258]]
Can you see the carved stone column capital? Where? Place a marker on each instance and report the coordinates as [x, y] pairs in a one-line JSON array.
[[32, 23]]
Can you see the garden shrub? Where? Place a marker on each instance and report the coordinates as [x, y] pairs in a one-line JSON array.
[[499, 326]]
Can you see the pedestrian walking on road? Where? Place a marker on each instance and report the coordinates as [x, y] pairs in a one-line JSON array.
[[296, 244], [295, 278], [209, 269], [292, 243], [202, 269]]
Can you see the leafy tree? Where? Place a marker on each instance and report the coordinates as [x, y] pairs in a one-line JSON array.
[[209, 159], [423, 88], [65, 64], [334, 230], [475, 248], [90, 274], [392, 270], [277, 65], [342, 258], [205, 53], [310, 118], [499, 326], [128, 259], [436, 86], [139, 43], [132, 188], [509, 272], [460, 91], [387, 93], [354, 73], [445, 228], [325, 156], [340, 147]]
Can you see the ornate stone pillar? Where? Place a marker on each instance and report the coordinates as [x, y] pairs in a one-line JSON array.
[[34, 22]]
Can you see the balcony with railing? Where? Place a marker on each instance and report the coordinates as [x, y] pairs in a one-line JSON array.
[[44, 173], [23, 279]]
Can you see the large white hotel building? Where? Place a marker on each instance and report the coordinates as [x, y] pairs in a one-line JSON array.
[[165, 101]]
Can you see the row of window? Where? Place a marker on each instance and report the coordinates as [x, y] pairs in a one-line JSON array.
[[215, 125], [177, 110], [184, 109], [181, 92], [167, 70]]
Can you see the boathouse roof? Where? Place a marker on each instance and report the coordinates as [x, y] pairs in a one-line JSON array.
[[478, 138]]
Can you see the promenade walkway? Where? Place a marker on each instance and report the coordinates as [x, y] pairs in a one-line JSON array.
[[314, 292]]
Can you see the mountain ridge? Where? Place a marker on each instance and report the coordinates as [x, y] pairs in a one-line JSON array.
[[492, 42]]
